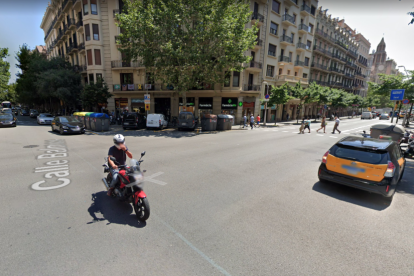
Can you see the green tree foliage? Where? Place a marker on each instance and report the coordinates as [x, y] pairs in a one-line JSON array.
[[279, 95], [47, 83], [9, 94], [4, 69], [95, 94], [186, 43]]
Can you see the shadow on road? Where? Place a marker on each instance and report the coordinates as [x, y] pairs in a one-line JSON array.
[[113, 211], [351, 195]]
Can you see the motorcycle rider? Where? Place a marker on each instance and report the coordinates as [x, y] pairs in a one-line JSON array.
[[120, 151]]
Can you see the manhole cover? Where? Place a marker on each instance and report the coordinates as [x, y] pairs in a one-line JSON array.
[[30, 146]]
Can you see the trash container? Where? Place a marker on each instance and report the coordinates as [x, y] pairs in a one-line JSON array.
[[208, 122], [99, 121], [81, 117], [394, 131], [76, 115], [224, 122], [87, 120]]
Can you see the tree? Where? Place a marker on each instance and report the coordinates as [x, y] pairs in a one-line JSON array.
[[303, 95], [279, 95], [95, 94], [4, 69], [9, 94], [412, 20], [187, 44], [319, 94]]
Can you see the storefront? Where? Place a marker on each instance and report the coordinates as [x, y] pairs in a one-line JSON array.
[[137, 105], [205, 106], [229, 106], [163, 106], [248, 108], [190, 106], [270, 113]]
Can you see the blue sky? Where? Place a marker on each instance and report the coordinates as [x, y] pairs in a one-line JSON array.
[[20, 23]]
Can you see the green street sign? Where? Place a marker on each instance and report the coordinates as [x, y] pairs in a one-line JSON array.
[[240, 104]]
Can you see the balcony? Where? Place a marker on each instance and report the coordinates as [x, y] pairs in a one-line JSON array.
[[126, 64], [321, 34], [339, 58], [76, 4], [251, 87], [65, 4], [254, 66], [115, 12], [333, 69], [80, 68], [286, 40], [284, 59], [323, 83], [284, 78], [305, 10], [257, 17], [259, 44], [81, 47], [301, 46], [299, 63], [343, 45], [270, 73], [71, 23], [79, 25], [320, 66], [352, 53], [273, 31], [303, 29], [288, 19], [364, 64], [320, 50], [349, 75], [336, 84], [73, 47]]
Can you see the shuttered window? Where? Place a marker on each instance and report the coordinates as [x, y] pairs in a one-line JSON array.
[[97, 57], [87, 32], [85, 7], [94, 9], [95, 31], [89, 54]]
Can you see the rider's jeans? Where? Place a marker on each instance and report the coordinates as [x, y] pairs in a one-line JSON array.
[[114, 173]]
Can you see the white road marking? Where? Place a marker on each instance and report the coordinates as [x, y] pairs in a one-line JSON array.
[[333, 136], [320, 135], [285, 131], [159, 182]]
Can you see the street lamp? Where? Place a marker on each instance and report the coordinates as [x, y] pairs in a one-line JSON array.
[[264, 85], [404, 70], [406, 73]]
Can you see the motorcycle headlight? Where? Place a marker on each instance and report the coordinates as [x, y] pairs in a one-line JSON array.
[[136, 178]]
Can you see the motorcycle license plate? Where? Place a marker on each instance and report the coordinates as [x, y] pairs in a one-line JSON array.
[[184, 124]]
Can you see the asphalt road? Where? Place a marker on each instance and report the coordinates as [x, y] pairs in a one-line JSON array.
[[242, 202]]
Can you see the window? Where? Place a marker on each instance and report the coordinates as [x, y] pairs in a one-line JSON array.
[[308, 44], [273, 28], [294, 18], [306, 61], [276, 6], [89, 54], [290, 56], [305, 76], [95, 30], [280, 71], [97, 57], [288, 73], [149, 78], [94, 9], [91, 78], [87, 32], [310, 28], [296, 74], [85, 7], [272, 50], [313, 10], [236, 79], [98, 77], [270, 71], [292, 35], [227, 76]]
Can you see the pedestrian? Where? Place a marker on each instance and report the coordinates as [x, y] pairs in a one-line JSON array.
[[302, 126], [353, 114], [307, 124], [287, 117], [244, 121], [337, 121], [251, 121], [258, 120], [323, 124], [318, 116]]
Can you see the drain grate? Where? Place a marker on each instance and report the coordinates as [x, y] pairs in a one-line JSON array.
[[30, 146]]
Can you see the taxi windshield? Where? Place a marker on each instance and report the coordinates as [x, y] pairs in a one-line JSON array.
[[364, 155]]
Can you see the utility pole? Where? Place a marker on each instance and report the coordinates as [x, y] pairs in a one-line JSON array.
[[264, 85]]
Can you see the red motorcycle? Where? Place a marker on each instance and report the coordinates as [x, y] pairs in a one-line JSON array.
[[128, 188]]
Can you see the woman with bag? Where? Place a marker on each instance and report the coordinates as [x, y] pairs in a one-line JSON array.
[[323, 124]]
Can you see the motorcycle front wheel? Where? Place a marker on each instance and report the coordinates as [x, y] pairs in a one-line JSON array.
[[142, 209]]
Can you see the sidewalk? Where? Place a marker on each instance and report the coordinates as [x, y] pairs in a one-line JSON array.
[[295, 122]]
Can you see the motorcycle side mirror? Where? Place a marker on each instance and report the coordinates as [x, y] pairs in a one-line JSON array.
[[142, 153], [364, 132], [113, 159]]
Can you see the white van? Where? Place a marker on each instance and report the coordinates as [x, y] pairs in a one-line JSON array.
[[366, 115], [156, 121]]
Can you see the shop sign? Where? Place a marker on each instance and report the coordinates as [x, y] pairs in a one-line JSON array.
[[190, 101], [229, 103], [205, 103], [248, 105], [137, 100]]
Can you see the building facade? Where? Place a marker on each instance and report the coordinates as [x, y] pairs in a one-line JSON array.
[[85, 33], [381, 64], [335, 54]]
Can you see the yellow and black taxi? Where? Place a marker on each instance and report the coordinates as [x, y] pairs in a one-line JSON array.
[[373, 165]]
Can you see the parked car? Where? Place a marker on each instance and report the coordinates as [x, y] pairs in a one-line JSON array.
[[187, 120], [7, 119], [44, 119], [67, 124], [134, 120], [7, 110], [374, 115], [373, 165], [366, 115], [33, 113], [24, 112], [156, 121], [384, 116]]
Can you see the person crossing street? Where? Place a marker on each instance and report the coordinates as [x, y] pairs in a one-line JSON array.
[[258, 120], [337, 121], [251, 121]]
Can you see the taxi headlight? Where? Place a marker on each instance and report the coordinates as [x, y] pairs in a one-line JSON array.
[[65, 127]]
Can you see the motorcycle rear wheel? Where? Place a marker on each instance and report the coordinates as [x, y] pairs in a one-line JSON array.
[[142, 209]]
